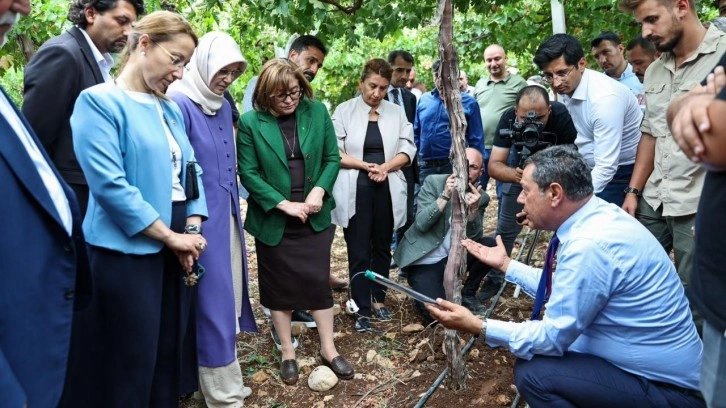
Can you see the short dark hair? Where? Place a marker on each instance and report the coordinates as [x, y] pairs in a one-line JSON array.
[[305, 41], [76, 12], [562, 164], [605, 36], [559, 45], [643, 43], [405, 55], [532, 91], [377, 66], [435, 67]]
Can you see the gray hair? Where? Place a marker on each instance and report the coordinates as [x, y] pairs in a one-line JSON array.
[[565, 166]]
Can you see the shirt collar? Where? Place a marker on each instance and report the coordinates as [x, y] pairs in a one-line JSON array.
[[581, 90], [105, 60], [565, 230], [709, 45], [505, 79]]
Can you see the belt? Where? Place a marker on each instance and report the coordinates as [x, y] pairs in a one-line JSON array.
[[687, 391], [433, 163]]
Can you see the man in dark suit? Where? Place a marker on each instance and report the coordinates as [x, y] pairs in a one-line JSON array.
[[402, 63], [44, 267], [66, 65]]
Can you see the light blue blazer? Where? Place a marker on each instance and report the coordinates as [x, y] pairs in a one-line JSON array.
[[121, 147]]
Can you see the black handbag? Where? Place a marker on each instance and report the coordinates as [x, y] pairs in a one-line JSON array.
[[191, 187]]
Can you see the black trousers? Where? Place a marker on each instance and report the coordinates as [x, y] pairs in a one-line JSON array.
[[141, 329], [429, 279], [368, 238], [583, 380]]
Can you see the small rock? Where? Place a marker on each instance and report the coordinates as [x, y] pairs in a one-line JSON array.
[[430, 359], [370, 355], [327, 398], [322, 379], [336, 309], [307, 362], [262, 393], [412, 355], [298, 329], [474, 354], [391, 335], [259, 377], [338, 335], [413, 328], [359, 376], [503, 399]]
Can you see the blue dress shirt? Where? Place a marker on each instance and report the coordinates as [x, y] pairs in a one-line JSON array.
[[431, 130], [615, 295]]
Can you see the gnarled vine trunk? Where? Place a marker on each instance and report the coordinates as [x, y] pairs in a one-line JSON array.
[[456, 265]]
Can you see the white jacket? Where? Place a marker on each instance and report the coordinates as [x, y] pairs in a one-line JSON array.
[[351, 122]]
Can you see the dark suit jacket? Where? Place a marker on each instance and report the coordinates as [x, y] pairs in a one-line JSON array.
[[43, 271], [409, 106], [62, 68], [264, 172]]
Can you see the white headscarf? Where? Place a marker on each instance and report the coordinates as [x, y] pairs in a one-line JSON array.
[[215, 51]]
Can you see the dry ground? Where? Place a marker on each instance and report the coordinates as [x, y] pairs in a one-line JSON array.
[[407, 364]]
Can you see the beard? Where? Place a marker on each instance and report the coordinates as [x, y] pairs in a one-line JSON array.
[[117, 45], [8, 18]]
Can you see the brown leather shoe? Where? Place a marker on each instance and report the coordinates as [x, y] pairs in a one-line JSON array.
[[340, 366], [337, 283], [288, 371]]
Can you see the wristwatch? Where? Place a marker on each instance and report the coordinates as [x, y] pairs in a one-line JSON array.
[[193, 229], [443, 196], [633, 190]]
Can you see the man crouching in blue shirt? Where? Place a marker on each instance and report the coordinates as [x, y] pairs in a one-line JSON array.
[[617, 331]]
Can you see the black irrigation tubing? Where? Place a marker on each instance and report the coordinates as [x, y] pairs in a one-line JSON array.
[[422, 402]]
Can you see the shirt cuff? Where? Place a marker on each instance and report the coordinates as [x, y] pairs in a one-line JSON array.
[[525, 276], [498, 332]]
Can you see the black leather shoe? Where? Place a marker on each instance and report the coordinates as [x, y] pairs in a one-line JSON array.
[[288, 371], [340, 366], [301, 316]]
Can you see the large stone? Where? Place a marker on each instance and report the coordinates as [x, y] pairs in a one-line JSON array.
[[322, 379]]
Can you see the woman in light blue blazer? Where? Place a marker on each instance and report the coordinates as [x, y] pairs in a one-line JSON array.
[[131, 144]]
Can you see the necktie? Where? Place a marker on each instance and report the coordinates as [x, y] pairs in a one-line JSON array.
[[545, 281], [396, 99]]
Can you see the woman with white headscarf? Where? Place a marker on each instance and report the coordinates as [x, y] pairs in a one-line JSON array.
[[223, 307]]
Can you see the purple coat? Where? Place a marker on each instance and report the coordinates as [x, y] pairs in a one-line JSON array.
[[213, 141]]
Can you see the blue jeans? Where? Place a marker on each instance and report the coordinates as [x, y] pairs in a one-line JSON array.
[[584, 380], [713, 367], [614, 190]]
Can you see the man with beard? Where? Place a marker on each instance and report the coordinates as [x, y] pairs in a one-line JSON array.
[[45, 270], [607, 50], [606, 114], [666, 186], [307, 51], [641, 53], [66, 65]]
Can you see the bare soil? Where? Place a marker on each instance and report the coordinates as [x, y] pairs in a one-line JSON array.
[[407, 365]]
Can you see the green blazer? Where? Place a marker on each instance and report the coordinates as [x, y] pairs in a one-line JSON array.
[[430, 226], [264, 172]]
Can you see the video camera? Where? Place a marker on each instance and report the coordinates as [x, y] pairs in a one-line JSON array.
[[528, 136]]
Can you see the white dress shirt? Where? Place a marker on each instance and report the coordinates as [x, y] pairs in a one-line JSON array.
[[55, 190], [607, 118], [105, 61]]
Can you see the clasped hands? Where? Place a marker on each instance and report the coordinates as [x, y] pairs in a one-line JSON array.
[[312, 205], [378, 173], [187, 247]]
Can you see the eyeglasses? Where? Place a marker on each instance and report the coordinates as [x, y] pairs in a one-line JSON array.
[[294, 95], [176, 62], [562, 75], [232, 73]]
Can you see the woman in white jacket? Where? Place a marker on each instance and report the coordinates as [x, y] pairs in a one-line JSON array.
[[375, 140]]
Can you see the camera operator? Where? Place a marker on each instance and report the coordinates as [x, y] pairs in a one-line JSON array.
[[552, 126]]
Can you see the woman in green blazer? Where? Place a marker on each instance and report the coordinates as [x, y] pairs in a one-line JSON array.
[[288, 161]]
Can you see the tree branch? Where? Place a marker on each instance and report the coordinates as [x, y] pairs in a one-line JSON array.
[[349, 10]]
